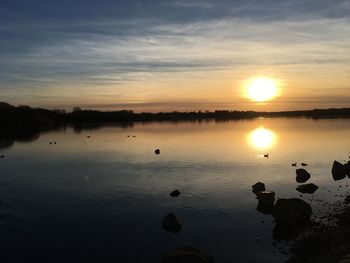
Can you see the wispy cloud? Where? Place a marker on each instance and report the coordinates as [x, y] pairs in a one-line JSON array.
[[146, 51]]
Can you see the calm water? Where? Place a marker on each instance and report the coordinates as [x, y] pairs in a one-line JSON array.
[[101, 199]]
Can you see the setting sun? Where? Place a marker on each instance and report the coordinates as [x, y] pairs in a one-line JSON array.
[[262, 89]]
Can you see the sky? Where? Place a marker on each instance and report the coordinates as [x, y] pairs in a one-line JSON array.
[[164, 55]]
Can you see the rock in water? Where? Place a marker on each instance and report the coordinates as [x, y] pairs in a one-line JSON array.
[[2, 156], [307, 188], [291, 211], [338, 171], [303, 164], [258, 187], [171, 224], [175, 193], [186, 254], [347, 199], [157, 151], [266, 198], [302, 175], [347, 168]]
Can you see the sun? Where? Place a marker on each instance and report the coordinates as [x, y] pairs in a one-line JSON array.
[[262, 89]]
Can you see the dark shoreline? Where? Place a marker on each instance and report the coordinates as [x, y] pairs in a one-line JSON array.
[[328, 240], [38, 118]]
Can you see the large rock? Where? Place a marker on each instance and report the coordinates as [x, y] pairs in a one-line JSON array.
[[258, 187], [291, 211], [307, 188], [171, 224], [338, 171], [186, 254], [302, 175], [266, 197]]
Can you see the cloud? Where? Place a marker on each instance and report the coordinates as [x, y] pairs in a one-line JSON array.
[[141, 48]]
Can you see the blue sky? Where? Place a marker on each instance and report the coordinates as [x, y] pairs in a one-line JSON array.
[[165, 55]]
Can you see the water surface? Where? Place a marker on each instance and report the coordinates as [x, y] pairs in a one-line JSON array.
[[101, 199]]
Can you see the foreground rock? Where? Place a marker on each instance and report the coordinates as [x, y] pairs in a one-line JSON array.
[[307, 188], [266, 198], [291, 211], [186, 254], [171, 224], [339, 171], [258, 187], [302, 175], [175, 193]]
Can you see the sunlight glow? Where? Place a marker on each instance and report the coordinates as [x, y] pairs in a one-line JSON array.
[[262, 89], [262, 138]]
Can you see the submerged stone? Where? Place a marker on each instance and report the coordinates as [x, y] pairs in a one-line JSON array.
[[171, 224]]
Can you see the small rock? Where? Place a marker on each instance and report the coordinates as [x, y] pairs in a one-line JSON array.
[[175, 193], [302, 175], [157, 151], [186, 254], [294, 164], [258, 187], [347, 199], [307, 188], [267, 155], [303, 164], [2, 156], [171, 224], [266, 197]]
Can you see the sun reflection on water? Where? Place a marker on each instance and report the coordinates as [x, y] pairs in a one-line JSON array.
[[262, 138]]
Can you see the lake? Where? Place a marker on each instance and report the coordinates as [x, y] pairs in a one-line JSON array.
[[98, 195]]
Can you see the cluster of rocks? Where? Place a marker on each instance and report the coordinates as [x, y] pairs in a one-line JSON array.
[[301, 177], [293, 211], [285, 211]]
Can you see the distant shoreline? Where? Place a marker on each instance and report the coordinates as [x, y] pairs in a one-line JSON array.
[[25, 116]]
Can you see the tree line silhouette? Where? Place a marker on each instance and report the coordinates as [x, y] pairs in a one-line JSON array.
[[27, 117]]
